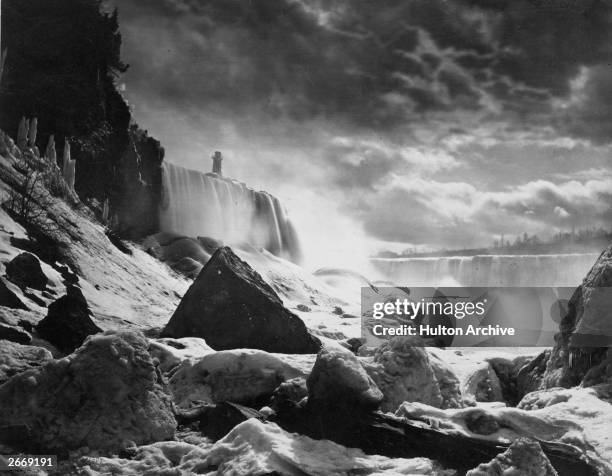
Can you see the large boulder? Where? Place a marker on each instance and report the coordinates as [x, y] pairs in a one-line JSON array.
[[403, 371], [231, 306], [25, 271], [16, 358], [585, 333], [68, 322], [104, 396], [339, 380], [524, 457], [240, 376]]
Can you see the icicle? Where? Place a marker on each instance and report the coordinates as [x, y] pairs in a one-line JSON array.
[[50, 152], [68, 166], [32, 133], [105, 211], [22, 134]]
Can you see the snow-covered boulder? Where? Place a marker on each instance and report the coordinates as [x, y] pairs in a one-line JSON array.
[[524, 457], [404, 372], [239, 375], [339, 379], [103, 396], [171, 352], [16, 358]]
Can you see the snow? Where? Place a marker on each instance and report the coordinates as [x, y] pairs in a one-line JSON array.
[[257, 448], [238, 375], [576, 416]]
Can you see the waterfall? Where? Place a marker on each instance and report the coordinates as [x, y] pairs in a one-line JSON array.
[[198, 204], [488, 270]]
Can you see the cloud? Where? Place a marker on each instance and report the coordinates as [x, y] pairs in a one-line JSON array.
[[422, 211]]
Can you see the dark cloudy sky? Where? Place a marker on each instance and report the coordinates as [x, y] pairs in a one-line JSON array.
[[437, 122]]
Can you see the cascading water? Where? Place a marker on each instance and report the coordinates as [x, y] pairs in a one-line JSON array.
[[199, 204], [488, 270]]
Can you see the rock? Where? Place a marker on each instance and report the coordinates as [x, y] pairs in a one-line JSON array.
[[25, 271], [14, 334], [68, 322], [9, 299], [292, 391], [16, 358], [103, 396], [524, 457], [188, 267], [172, 352], [231, 306], [338, 311], [50, 152], [339, 379], [585, 333], [481, 422], [484, 385], [530, 375], [303, 308], [403, 371], [244, 376]]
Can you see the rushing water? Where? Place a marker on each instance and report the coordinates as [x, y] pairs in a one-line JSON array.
[[199, 204], [488, 270]]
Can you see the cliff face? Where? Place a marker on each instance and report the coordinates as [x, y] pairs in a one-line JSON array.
[[62, 65]]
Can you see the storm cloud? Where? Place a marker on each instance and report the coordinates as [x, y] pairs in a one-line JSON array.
[[479, 101]]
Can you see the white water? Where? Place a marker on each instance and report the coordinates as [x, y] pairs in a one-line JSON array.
[[488, 270], [199, 204]]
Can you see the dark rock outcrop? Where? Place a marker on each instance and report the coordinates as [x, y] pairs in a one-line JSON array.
[[25, 271], [231, 306], [9, 299], [524, 457], [585, 333], [68, 322], [104, 396], [14, 334]]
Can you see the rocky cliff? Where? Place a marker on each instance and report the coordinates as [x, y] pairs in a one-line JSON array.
[[64, 72]]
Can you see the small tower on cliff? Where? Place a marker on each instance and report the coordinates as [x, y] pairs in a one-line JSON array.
[[217, 158]]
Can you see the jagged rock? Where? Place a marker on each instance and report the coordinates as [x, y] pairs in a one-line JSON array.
[[16, 358], [339, 379], [524, 457], [404, 373], [231, 306], [22, 134], [25, 271], [68, 322], [103, 396], [14, 334], [585, 333], [9, 299], [529, 376], [241, 376]]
